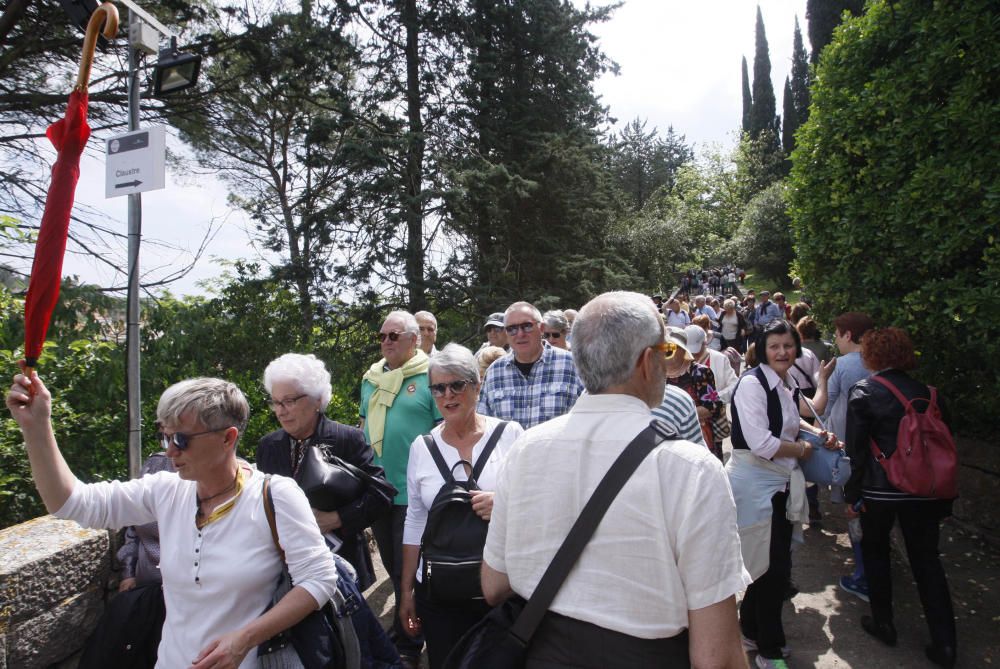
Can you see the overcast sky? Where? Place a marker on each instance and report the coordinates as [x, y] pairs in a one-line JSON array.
[[680, 66]]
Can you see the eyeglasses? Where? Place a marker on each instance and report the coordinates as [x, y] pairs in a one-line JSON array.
[[456, 387], [181, 440], [527, 326], [427, 328], [552, 335], [392, 336], [668, 348], [285, 404], [493, 328]]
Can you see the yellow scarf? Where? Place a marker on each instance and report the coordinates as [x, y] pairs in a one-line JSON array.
[[224, 509], [387, 385]]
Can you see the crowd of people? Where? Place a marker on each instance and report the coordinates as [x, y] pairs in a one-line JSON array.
[[506, 444]]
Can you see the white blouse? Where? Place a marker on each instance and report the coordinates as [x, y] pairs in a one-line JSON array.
[[424, 480], [218, 578], [751, 404]]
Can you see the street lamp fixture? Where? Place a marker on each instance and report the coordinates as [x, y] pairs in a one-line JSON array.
[[175, 70]]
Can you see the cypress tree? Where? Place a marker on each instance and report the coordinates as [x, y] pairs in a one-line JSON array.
[[790, 120], [800, 78], [763, 107], [747, 98], [825, 15]]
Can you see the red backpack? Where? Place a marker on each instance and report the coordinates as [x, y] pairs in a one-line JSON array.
[[925, 462]]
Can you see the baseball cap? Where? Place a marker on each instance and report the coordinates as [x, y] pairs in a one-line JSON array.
[[677, 336], [695, 338], [494, 319]]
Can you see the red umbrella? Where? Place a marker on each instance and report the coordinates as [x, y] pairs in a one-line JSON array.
[[69, 135]]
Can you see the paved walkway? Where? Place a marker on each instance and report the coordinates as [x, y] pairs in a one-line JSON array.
[[822, 622]]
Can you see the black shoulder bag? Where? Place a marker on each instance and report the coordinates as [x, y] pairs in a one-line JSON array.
[[331, 483], [501, 639]]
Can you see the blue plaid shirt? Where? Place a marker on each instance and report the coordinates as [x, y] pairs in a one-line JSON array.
[[549, 391]]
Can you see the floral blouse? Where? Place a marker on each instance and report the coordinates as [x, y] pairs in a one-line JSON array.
[[699, 382]]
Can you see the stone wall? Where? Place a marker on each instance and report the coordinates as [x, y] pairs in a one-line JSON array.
[[54, 579], [978, 507]]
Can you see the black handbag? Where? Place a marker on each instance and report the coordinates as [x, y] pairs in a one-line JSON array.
[[331, 483], [501, 639], [315, 642]]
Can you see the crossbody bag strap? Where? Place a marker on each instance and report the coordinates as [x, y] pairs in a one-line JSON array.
[[480, 465], [269, 512], [583, 529]]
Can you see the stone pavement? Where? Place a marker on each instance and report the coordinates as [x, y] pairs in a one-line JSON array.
[[822, 622]]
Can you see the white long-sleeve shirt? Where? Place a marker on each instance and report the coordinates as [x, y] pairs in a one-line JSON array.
[[751, 404], [218, 578]]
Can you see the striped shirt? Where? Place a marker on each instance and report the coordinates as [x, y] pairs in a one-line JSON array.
[[548, 391], [677, 410]]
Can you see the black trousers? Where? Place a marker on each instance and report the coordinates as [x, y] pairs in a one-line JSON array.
[[444, 624], [760, 610], [920, 522], [388, 532], [563, 642]]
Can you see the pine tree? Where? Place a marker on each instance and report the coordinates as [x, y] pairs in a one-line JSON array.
[[747, 97], [763, 108]]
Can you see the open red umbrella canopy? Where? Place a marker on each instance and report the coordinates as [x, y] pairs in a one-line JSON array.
[[69, 136]]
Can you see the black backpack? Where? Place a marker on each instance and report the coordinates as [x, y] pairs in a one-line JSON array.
[[454, 536]]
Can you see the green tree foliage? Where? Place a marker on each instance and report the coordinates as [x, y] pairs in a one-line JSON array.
[[795, 104], [825, 15], [895, 193], [531, 181], [283, 129], [747, 95], [643, 162], [764, 237], [763, 107]]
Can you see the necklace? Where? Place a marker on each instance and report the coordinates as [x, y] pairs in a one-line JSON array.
[[202, 500]]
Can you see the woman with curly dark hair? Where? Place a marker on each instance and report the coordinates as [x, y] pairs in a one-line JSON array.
[[873, 415]]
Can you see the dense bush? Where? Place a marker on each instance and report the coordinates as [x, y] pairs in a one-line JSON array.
[[895, 191]]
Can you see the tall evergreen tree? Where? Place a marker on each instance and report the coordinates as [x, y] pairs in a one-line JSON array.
[[533, 194], [763, 107], [789, 119], [747, 96], [800, 77], [642, 161], [825, 15]]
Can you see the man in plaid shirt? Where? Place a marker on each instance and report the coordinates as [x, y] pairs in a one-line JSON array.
[[535, 381]]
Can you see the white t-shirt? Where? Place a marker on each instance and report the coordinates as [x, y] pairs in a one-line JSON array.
[[424, 480], [668, 544], [221, 577]]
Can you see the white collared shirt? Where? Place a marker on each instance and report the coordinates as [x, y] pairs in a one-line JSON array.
[[751, 405], [668, 544], [218, 578]]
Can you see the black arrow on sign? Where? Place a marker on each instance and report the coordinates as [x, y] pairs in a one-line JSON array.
[[128, 184]]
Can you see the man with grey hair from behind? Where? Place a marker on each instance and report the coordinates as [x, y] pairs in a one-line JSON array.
[[665, 562]]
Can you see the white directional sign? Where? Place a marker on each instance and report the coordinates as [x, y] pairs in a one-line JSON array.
[[136, 161]]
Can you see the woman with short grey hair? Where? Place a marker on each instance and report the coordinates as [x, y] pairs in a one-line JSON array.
[[555, 328], [299, 386], [219, 571], [464, 435]]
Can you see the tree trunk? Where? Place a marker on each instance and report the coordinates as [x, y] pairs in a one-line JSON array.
[[414, 174]]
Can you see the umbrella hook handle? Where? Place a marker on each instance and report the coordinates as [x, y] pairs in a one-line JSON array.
[[106, 15]]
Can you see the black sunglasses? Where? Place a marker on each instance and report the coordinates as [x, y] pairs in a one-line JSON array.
[[392, 336], [181, 440], [552, 335], [456, 387], [527, 326]]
